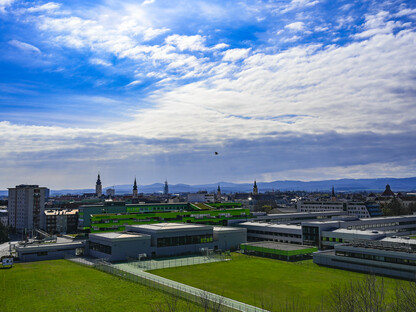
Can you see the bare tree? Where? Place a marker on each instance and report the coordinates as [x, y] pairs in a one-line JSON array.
[[405, 297], [211, 304], [367, 295]]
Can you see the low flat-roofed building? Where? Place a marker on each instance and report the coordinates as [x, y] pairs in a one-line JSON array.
[[49, 251], [376, 257], [168, 239], [298, 217], [164, 239], [282, 251], [330, 238], [118, 246], [284, 233]]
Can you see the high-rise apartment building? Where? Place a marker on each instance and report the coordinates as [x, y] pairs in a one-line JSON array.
[[26, 207]]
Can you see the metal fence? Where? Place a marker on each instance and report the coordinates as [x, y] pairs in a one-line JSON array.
[[154, 264], [209, 301]]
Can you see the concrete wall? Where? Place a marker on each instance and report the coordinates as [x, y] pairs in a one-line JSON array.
[[229, 239]]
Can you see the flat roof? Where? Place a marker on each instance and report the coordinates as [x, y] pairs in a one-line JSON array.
[[227, 229], [358, 232], [168, 226], [278, 246], [272, 225], [118, 235]]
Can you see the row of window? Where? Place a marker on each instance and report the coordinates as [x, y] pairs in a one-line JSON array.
[[100, 248], [273, 233], [375, 258], [184, 240]]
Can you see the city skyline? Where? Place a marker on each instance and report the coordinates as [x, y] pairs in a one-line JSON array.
[[205, 91]]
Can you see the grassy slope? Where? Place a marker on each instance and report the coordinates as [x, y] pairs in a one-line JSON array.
[[61, 285], [255, 280]]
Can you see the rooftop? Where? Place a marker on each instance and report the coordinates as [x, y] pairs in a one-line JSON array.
[[167, 226], [279, 246]]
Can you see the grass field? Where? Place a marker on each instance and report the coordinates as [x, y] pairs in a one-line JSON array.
[[61, 285], [265, 282]]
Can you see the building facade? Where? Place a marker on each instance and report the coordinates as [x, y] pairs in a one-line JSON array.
[[26, 207]]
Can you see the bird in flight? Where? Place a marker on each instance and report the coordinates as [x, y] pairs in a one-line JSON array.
[[216, 153]]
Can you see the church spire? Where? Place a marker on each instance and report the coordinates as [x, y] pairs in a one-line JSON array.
[[255, 189], [135, 192], [166, 188]]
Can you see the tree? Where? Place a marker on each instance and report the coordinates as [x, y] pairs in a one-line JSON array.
[[4, 233], [367, 295], [405, 295]]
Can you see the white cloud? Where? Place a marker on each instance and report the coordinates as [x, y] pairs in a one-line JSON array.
[[406, 12], [378, 24], [296, 26], [151, 33], [191, 43], [49, 7], [97, 61], [233, 55], [148, 2], [24, 46], [4, 4], [298, 4], [134, 83]]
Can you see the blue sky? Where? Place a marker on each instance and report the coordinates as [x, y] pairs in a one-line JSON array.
[[301, 89]]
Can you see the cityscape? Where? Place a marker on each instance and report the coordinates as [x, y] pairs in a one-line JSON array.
[[162, 156]]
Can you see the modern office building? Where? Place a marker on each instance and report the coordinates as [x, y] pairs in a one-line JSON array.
[[115, 207], [283, 233], [119, 221], [162, 240], [26, 207], [376, 257]]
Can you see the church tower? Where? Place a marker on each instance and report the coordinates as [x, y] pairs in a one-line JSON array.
[[333, 197], [255, 189], [98, 187], [219, 193], [166, 188], [135, 193]]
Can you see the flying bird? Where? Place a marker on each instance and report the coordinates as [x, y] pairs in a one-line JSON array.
[[216, 153]]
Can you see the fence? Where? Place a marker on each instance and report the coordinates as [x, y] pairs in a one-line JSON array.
[[153, 264], [207, 300]]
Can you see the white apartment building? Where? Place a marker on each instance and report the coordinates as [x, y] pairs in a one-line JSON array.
[[26, 207]]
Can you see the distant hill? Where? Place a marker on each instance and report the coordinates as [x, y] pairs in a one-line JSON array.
[[342, 185]]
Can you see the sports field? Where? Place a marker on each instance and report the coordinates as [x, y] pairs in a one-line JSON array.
[[61, 285], [265, 282]]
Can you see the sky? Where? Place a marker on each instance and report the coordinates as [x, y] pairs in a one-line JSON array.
[[281, 90]]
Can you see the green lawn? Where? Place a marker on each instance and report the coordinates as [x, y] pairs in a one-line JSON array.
[[265, 282], [61, 285]]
